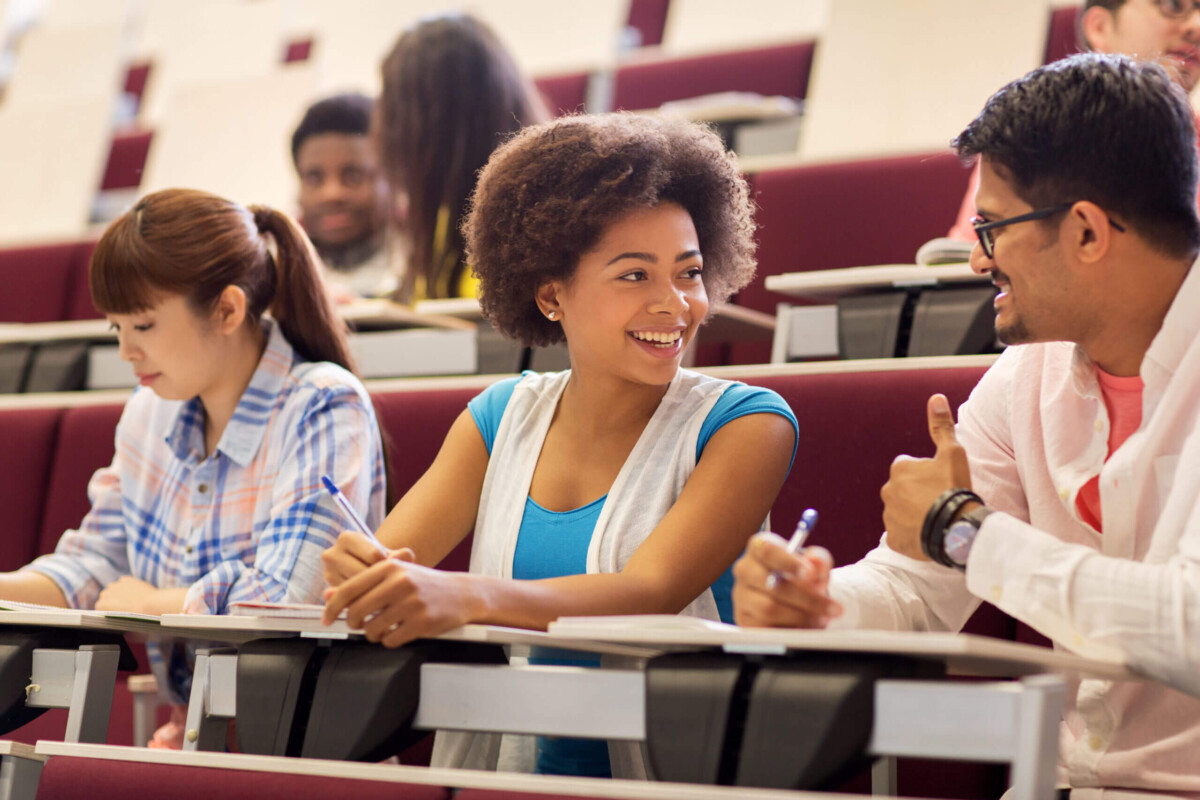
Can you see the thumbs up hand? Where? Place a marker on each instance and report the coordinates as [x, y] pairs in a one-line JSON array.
[[915, 483]]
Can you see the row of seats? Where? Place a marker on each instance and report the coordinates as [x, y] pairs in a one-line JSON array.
[[774, 70], [847, 442], [777, 70], [810, 217]]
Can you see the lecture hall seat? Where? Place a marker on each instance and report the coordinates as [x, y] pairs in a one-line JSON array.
[[648, 18], [564, 94], [29, 435], [35, 281], [79, 293], [846, 214], [779, 70], [1061, 38]]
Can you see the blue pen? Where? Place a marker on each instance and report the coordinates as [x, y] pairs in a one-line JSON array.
[[808, 521], [348, 510]]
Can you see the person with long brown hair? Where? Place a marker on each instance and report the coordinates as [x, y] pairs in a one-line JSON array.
[[451, 94], [247, 398]]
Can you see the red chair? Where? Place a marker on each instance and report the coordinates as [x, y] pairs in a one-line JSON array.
[[781, 70], [848, 214], [29, 437], [1062, 39], [36, 282], [564, 94], [126, 160], [648, 18], [415, 423]]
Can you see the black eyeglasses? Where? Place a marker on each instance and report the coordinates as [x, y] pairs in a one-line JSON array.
[[1176, 9], [984, 229]]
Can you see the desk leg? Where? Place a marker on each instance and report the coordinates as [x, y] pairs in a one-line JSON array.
[[92, 693], [883, 777], [19, 778], [213, 684], [145, 718], [1039, 713]]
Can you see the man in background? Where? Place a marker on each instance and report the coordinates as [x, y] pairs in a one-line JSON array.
[[344, 200], [1166, 31]]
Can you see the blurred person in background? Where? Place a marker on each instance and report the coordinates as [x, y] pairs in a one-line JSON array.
[[451, 94], [1166, 31], [344, 201]]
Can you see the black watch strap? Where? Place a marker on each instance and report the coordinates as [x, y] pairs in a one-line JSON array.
[[938, 518]]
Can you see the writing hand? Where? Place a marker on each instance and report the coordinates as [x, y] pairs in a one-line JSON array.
[[350, 555], [800, 597], [397, 600]]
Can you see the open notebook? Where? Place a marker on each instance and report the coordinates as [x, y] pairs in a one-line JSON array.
[[26, 613], [279, 610], [642, 623]]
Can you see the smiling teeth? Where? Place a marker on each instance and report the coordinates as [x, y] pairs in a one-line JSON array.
[[658, 338]]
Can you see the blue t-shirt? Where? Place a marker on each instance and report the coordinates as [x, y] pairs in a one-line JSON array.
[[551, 544]]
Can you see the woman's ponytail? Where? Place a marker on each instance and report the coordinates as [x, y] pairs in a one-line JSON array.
[[301, 305]]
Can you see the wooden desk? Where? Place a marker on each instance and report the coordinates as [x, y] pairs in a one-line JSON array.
[[559, 701], [388, 339], [902, 319], [833, 283]]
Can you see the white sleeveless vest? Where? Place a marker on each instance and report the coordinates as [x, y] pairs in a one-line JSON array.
[[644, 490]]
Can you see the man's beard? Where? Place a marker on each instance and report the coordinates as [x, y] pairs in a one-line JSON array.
[[351, 255]]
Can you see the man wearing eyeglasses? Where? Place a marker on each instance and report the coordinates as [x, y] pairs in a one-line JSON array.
[[1166, 31], [1069, 494]]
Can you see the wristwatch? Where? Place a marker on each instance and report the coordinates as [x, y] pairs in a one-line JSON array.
[[959, 536]]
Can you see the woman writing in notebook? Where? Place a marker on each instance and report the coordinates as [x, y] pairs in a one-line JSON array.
[[214, 493], [625, 485]]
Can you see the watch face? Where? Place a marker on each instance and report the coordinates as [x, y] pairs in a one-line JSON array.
[[959, 538]]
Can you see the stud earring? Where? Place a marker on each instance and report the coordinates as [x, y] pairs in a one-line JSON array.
[[550, 315]]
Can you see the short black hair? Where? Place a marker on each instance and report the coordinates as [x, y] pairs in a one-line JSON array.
[[348, 113], [1104, 128]]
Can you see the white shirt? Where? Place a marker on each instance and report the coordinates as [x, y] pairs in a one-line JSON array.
[[1036, 430]]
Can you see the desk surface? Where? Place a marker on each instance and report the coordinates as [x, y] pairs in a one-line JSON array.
[[120, 623], [963, 653], [458, 778], [226, 627], [20, 750], [836, 282], [364, 314]]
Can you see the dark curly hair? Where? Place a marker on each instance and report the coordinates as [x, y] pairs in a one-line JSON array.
[[547, 196]]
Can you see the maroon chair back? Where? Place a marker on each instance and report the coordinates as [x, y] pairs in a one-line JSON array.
[[780, 70], [415, 424], [85, 443], [649, 19], [126, 160], [564, 94], [848, 214], [1062, 39], [36, 282], [852, 425], [79, 293], [69, 778], [28, 437]]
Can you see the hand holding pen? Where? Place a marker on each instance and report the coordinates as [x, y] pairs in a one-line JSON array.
[[808, 521], [352, 515]]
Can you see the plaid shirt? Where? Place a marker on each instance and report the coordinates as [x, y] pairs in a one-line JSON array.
[[249, 521]]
